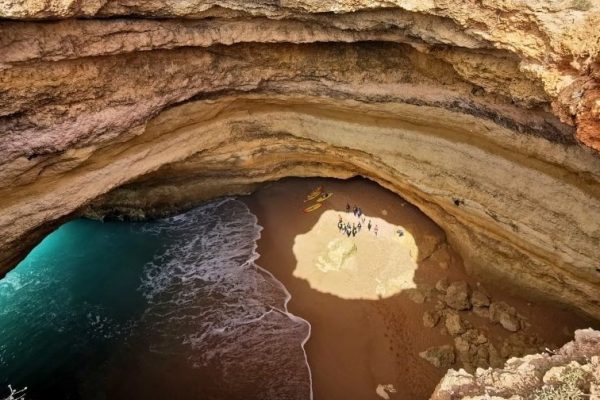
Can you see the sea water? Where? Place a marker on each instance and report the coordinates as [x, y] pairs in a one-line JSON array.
[[170, 309]]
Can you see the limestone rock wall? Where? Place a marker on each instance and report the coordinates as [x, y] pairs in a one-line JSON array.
[[572, 371], [485, 114]]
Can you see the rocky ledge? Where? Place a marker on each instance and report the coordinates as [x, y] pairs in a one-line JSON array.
[[572, 372], [484, 114], [450, 304]]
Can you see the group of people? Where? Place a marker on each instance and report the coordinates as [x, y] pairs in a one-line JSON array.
[[357, 211], [352, 229]]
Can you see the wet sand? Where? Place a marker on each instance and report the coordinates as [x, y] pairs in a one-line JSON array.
[[358, 344]]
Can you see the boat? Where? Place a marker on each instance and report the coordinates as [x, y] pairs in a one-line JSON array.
[[313, 207], [314, 194], [324, 197]]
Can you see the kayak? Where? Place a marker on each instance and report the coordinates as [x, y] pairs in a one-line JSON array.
[[324, 197], [312, 208], [312, 195]]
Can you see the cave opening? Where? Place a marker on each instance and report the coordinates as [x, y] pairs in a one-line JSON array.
[[167, 119], [199, 301]]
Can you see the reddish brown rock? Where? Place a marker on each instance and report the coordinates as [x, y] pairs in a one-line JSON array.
[[457, 296]]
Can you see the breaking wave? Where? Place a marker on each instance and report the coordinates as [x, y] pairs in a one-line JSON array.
[[174, 308], [210, 301]]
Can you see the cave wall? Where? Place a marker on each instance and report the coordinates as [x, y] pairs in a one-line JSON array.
[[485, 114]]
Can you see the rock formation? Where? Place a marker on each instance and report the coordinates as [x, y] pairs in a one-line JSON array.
[[469, 340], [569, 373], [484, 114]]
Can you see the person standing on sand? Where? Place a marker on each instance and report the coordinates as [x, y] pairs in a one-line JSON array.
[[375, 230], [369, 226], [359, 226], [354, 230], [347, 207], [340, 224]]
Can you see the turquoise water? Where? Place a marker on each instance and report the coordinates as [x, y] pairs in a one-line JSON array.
[[174, 308]]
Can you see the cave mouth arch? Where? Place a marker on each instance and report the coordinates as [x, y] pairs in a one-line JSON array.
[[428, 154], [485, 115], [287, 196], [288, 202]]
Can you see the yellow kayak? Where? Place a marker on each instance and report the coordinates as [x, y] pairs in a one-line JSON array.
[[313, 207], [324, 197], [312, 195]]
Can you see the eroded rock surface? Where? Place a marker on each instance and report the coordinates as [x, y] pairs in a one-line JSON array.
[[571, 372], [457, 295], [440, 357], [484, 114], [473, 343]]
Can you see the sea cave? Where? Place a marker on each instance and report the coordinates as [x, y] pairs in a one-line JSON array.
[[226, 199]]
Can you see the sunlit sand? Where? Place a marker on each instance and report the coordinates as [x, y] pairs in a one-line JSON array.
[[366, 266]]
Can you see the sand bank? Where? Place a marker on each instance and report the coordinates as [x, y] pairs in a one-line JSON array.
[[365, 335]]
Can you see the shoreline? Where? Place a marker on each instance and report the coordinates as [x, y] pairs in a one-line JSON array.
[[355, 346], [346, 361], [294, 317], [288, 297]]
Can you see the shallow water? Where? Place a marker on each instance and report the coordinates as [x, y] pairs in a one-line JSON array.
[[174, 308]]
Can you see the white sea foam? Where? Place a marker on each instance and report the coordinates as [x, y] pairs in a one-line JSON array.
[[210, 301]]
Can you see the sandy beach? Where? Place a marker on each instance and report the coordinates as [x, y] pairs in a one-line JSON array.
[[367, 330]]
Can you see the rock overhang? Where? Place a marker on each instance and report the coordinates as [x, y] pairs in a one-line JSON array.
[[146, 108]]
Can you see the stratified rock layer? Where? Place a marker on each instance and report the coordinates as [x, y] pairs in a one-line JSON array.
[[484, 114]]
